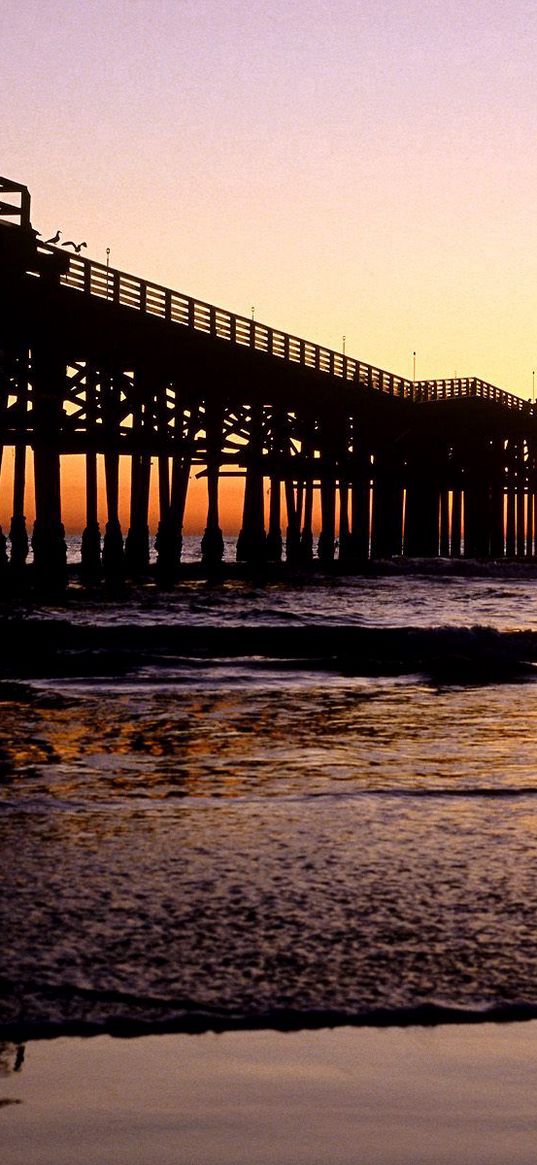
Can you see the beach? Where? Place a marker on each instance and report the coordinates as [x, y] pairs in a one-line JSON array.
[[271, 845], [422, 1096], [268, 583]]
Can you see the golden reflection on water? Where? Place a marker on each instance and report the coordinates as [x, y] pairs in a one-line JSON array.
[[354, 735], [330, 843]]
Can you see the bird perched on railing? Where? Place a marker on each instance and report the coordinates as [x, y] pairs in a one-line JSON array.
[[55, 238], [76, 246]]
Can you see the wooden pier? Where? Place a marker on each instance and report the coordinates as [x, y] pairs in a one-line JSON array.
[[97, 362]]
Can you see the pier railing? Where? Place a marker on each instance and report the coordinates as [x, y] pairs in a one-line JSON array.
[[430, 390], [151, 299], [97, 279]]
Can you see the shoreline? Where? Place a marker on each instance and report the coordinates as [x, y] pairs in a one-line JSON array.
[[209, 1021]]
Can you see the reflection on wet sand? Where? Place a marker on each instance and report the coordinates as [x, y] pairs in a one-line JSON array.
[[288, 739], [11, 1061], [11, 1057], [446, 1096]]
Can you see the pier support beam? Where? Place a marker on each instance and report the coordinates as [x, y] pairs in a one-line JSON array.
[[521, 503], [18, 534], [510, 506], [212, 543], [345, 544], [387, 523], [113, 552], [304, 533], [90, 559], [327, 536], [520, 523], [331, 425], [456, 522], [274, 546], [510, 520], [444, 522], [497, 500], [91, 538], [48, 538], [3, 539], [477, 510], [172, 500], [251, 543], [360, 503], [422, 511], [497, 494], [530, 521], [497, 543], [305, 550], [167, 560], [292, 534], [137, 540]]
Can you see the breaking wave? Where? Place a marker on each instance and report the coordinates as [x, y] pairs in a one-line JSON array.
[[57, 648]]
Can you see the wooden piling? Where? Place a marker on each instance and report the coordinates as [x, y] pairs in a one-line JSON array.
[[212, 543], [421, 538], [456, 522], [444, 522], [387, 514], [274, 547], [327, 536], [251, 543], [137, 540], [48, 538], [90, 559]]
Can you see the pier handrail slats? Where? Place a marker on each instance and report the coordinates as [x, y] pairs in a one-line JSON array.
[[99, 280], [467, 386], [124, 290]]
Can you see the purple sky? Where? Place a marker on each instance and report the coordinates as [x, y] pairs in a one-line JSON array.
[[366, 169]]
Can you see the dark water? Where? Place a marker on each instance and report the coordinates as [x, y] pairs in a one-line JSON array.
[[238, 838]]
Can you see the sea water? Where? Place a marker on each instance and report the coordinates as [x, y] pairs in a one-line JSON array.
[[216, 843]]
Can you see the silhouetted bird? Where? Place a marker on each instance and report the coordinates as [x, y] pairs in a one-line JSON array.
[[55, 238], [77, 246]]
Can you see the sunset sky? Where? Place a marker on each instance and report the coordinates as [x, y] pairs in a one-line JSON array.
[[364, 169]]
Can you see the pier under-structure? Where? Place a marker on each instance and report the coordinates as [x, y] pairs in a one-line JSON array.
[[94, 361]]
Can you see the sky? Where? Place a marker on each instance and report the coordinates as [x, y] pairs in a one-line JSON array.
[[359, 169]]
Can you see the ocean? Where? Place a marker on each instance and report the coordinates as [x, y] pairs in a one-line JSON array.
[[271, 804]]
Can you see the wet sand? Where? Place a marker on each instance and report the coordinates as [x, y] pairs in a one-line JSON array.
[[459, 1095]]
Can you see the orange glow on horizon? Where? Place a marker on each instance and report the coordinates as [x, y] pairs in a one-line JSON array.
[[74, 497]]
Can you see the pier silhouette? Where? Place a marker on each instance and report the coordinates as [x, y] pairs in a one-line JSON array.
[[95, 361]]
